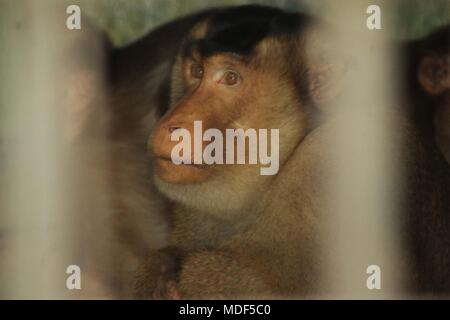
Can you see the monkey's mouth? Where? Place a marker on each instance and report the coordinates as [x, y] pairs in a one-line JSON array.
[[168, 161]]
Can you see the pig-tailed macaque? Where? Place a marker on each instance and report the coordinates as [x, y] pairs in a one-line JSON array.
[[234, 232]]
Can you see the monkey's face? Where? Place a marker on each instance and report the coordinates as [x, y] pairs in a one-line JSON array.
[[433, 76], [222, 91], [264, 88]]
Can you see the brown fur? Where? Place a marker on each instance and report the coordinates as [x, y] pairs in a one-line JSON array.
[[237, 234], [229, 227]]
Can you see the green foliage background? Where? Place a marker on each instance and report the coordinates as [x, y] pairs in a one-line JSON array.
[[127, 20]]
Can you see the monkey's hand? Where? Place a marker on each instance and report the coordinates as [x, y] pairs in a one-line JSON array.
[[166, 290], [158, 278]]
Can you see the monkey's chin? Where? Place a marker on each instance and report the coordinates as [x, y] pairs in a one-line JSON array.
[[226, 192], [172, 173]]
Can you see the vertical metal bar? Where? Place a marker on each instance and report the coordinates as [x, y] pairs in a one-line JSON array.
[[361, 226]]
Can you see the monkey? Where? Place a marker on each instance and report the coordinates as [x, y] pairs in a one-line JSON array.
[[236, 234], [220, 214], [427, 69]]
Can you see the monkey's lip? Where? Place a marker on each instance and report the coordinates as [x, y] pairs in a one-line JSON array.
[[168, 160]]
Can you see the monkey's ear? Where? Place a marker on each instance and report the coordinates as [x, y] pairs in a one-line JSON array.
[[433, 74], [325, 81]]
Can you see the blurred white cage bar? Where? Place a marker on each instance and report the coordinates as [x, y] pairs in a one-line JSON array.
[[33, 162], [363, 207], [41, 206], [47, 194]]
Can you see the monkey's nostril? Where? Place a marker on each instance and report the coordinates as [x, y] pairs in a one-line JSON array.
[[173, 128]]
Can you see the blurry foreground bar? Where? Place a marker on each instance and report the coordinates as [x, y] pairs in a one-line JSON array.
[[42, 114], [362, 208]]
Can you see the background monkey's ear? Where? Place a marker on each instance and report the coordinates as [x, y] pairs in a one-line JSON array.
[[325, 81], [433, 74], [326, 65]]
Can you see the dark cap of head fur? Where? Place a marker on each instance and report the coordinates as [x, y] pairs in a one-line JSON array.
[[239, 29]]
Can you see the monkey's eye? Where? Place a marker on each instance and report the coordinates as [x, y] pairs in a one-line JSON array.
[[230, 78], [197, 71]]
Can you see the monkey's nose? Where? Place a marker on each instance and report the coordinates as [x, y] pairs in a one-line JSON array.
[[173, 128]]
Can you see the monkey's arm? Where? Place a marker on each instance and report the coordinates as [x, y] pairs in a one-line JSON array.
[[218, 274]]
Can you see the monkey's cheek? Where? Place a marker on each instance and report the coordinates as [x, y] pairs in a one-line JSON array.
[[169, 172]]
